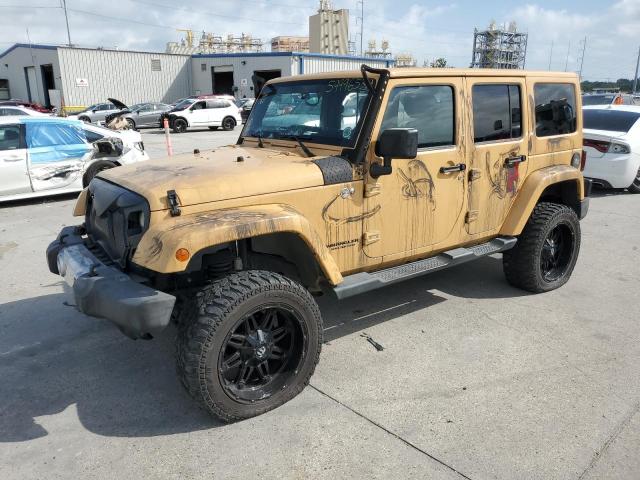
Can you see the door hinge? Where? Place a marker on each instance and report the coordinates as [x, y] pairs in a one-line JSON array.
[[370, 237], [371, 189], [474, 174], [471, 216], [173, 201]]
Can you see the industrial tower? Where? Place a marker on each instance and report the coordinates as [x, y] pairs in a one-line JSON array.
[[499, 47]]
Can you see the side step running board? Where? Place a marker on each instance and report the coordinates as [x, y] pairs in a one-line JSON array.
[[363, 282]]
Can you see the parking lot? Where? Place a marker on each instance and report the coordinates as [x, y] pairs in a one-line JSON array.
[[476, 380]]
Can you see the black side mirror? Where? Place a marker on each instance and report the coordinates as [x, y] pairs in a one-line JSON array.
[[394, 143]]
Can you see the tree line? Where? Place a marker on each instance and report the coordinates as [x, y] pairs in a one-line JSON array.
[[625, 85]]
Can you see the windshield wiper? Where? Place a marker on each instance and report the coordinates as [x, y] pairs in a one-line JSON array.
[[304, 148]]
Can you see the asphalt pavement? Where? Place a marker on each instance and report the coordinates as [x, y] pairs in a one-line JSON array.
[[476, 379]]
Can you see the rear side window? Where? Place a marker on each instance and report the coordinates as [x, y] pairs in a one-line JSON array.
[[10, 137], [218, 104], [496, 112], [610, 120], [52, 135], [428, 108], [555, 109]]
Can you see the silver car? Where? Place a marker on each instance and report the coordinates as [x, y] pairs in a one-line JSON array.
[[146, 114], [96, 113]]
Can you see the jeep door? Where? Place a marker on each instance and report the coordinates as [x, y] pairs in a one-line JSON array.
[[419, 205], [14, 178], [498, 158]]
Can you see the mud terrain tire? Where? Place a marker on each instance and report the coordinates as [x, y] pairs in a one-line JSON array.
[[232, 319], [546, 252]]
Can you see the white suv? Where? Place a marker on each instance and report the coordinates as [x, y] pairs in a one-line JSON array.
[[210, 112]]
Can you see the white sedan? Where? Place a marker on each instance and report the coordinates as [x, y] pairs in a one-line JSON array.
[[612, 146], [42, 156]]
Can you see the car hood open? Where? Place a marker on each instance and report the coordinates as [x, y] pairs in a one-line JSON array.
[[118, 104], [223, 174]]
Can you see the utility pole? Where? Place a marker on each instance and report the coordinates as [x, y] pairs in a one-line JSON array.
[[584, 48], [566, 61], [635, 77], [66, 18], [550, 54]]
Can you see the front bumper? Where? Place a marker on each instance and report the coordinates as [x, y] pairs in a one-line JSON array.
[[102, 291]]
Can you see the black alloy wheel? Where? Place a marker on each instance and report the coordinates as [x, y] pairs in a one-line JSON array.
[[556, 253], [262, 353], [228, 123]]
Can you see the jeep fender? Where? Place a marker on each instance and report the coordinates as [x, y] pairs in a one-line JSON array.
[[157, 248], [532, 190]]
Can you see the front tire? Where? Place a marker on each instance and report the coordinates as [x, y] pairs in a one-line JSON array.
[[94, 169], [228, 123], [180, 125], [635, 186], [547, 250], [131, 124], [84, 119], [251, 344]]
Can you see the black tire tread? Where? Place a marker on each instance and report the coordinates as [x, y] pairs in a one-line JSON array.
[[212, 304], [520, 263]]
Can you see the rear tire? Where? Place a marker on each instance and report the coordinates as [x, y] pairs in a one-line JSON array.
[[180, 125], [547, 250], [94, 169], [635, 186], [228, 123], [251, 344]]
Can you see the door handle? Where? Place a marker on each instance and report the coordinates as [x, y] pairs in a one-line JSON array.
[[511, 161], [459, 167], [12, 159]]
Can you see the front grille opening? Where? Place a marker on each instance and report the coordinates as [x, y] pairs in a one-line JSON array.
[[135, 222]]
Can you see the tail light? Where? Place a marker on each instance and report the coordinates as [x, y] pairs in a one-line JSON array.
[[599, 145], [583, 160]]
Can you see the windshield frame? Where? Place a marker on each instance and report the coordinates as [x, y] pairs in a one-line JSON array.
[[359, 86]]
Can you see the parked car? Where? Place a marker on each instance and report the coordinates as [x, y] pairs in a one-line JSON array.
[[245, 108], [18, 111], [141, 115], [132, 144], [22, 103], [612, 146], [48, 155], [212, 113], [97, 113], [609, 99]]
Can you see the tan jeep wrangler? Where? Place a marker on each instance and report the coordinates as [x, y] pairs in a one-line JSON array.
[[344, 183]]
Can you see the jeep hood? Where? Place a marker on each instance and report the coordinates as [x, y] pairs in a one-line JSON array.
[[217, 175]]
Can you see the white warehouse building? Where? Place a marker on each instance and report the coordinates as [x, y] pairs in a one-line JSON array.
[[78, 77]]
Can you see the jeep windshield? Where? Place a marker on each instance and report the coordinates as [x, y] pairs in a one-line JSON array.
[[328, 111]]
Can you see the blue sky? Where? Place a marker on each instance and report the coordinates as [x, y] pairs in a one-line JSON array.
[[426, 29]]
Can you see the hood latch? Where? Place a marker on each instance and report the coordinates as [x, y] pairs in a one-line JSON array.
[[172, 199]]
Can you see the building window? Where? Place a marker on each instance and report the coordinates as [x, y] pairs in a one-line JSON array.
[[155, 65], [203, 67]]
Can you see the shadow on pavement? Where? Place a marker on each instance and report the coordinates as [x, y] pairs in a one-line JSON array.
[[52, 357], [39, 200]]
